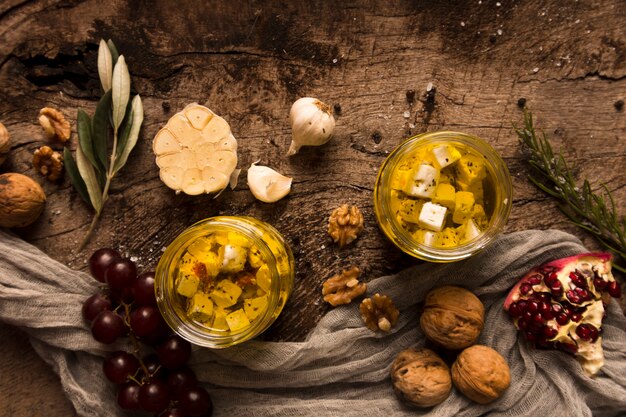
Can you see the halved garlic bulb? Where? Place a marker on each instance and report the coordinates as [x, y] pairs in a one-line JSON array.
[[266, 184], [196, 151]]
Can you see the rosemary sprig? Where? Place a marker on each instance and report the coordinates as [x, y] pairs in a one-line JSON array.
[[593, 212], [100, 154]]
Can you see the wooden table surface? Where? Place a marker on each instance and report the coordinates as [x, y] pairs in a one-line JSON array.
[[249, 61]]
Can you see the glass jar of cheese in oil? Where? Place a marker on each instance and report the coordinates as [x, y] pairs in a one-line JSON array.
[[443, 196], [224, 280]]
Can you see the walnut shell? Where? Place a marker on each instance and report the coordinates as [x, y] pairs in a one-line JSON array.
[[481, 374], [421, 377], [453, 317], [21, 200], [5, 145]]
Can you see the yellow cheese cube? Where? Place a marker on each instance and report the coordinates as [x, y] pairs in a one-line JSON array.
[[463, 206], [253, 307], [475, 188], [237, 239], [221, 238], [255, 258], [264, 278], [395, 201], [401, 178], [426, 237], [237, 320], [447, 238], [200, 307], [480, 217], [467, 231], [219, 319], [410, 210], [212, 262], [225, 293], [187, 284], [200, 246], [471, 168], [445, 196], [446, 177]]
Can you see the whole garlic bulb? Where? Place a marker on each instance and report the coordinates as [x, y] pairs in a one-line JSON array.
[[312, 123], [266, 184]]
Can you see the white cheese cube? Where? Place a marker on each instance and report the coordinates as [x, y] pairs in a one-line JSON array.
[[432, 216], [424, 182], [426, 237], [446, 155], [469, 231]]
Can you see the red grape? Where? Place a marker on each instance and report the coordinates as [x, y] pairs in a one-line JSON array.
[[128, 396], [152, 363], [174, 352], [121, 273], [94, 305], [196, 402], [181, 380], [146, 321], [119, 365], [154, 396], [100, 261], [125, 295], [107, 327], [143, 289]]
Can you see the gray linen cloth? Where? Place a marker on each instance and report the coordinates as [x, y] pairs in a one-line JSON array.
[[342, 369]]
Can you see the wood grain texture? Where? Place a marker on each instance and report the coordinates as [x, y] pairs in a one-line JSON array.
[[249, 61]]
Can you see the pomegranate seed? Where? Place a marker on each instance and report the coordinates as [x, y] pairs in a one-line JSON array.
[[528, 316], [531, 337], [534, 280], [522, 305], [594, 333], [556, 288], [562, 319], [584, 332], [599, 283], [514, 310], [522, 324], [539, 319], [567, 347], [544, 307], [557, 308], [550, 332], [577, 279], [549, 279], [542, 296], [573, 297], [576, 317], [533, 307], [525, 289], [582, 293], [615, 290]]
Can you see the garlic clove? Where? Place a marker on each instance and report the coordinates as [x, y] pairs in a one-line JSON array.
[[312, 123], [266, 184]]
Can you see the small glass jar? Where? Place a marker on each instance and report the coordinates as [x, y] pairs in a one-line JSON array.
[[269, 246], [497, 206]]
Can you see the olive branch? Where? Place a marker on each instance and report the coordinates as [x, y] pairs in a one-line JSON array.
[[100, 155], [592, 212]]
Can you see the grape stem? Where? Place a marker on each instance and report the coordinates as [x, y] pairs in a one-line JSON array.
[[135, 342]]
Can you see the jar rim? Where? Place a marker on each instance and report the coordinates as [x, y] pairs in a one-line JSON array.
[[401, 238], [165, 291]]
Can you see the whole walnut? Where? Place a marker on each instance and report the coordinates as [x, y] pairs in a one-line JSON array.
[[5, 145], [481, 374], [453, 317], [21, 200], [421, 377]]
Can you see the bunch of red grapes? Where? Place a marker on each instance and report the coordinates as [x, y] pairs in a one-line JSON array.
[[158, 382]]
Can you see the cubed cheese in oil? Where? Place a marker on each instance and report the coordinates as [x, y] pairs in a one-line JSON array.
[[234, 258], [445, 155], [463, 207], [475, 188], [212, 262], [470, 168], [467, 231], [255, 258], [445, 196], [424, 182], [448, 238], [432, 217], [200, 307], [219, 320], [237, 239], [225, 293], [253, 307], [479, 216], [187, 284], [237, 320], [426, 237], [401, 179], [410, 210], [264, 278], [201, 246]]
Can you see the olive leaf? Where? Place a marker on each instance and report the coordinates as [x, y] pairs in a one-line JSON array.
[[121, 91], [122, 137], [114, 54], [91, 180], [135, 121], [100, 129], [83, 126], [105, 65], [77, 180]]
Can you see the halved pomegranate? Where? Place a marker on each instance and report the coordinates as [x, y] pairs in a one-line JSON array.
[[560, 305]]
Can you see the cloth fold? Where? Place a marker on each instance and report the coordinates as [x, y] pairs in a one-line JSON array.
[[342, 368]]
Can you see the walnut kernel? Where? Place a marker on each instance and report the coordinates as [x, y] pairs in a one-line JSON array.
[[5, 146], [453, 317], [345, 224], [379, 313], [421, 377], [481, 373], [54, 124], [48, 163], [344, 287]]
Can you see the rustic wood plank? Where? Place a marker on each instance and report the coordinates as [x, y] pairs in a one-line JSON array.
[[250, 62]]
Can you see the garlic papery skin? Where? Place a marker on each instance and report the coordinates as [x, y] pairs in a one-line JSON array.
[[312, 123], [266, 184]]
